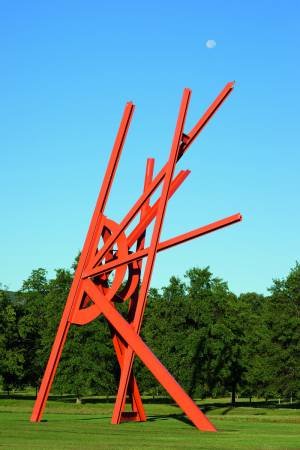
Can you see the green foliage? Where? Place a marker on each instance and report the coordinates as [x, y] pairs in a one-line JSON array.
[[33, 322], [257, 378], [37, 282], [283, 320], [12, 354], [87, 365], [212, 341]]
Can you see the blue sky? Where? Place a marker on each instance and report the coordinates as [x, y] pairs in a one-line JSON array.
[[67, 69]]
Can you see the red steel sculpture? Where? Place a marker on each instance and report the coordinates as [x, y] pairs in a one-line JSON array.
[[109, 256]]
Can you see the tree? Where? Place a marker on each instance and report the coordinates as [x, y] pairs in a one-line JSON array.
[[258, 371], [283, 320], [165, 331], [12, 354], [32, 323], [37, 282], [218, 366], [150, 334], [87, 365], [193, 328], [211, 341]]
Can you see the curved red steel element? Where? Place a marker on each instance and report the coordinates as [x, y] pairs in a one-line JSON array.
[[110, 258]]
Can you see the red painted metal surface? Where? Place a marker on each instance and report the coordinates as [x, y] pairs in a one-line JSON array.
[[120, 256]]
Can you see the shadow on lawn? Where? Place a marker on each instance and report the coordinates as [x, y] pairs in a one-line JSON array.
[[85, 400], [205, 407], [243, 404], [158, 400], [180, 417], [19, 396]]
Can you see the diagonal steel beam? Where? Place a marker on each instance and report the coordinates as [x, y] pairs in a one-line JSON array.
[[180, 239], [186, 141], [170, 167], [136, 400], [149, 359], [88, 248]]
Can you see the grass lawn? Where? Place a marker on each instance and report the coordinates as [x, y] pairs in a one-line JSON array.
[[87, 426]]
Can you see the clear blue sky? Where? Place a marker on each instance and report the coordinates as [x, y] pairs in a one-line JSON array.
[[67, 69]]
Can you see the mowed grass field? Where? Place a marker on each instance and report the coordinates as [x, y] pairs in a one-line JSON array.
[[66, 425]]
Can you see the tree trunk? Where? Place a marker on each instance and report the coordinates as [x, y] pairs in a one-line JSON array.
[[233, 393]]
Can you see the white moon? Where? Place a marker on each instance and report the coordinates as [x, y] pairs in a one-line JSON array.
[[211, 43]]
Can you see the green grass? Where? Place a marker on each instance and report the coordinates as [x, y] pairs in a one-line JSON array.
[[87, 426]]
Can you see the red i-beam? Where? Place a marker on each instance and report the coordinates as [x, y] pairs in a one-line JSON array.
[[123, 256]]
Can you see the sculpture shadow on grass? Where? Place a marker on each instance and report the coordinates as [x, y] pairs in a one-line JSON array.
[[205, 407], [179, 417]]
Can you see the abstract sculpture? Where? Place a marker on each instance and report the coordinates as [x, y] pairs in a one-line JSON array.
[[109, 256]]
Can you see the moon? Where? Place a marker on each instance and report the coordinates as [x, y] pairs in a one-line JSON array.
[[211, 43]]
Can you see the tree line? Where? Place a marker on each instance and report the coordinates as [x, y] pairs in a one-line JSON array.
[[214, 342]]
